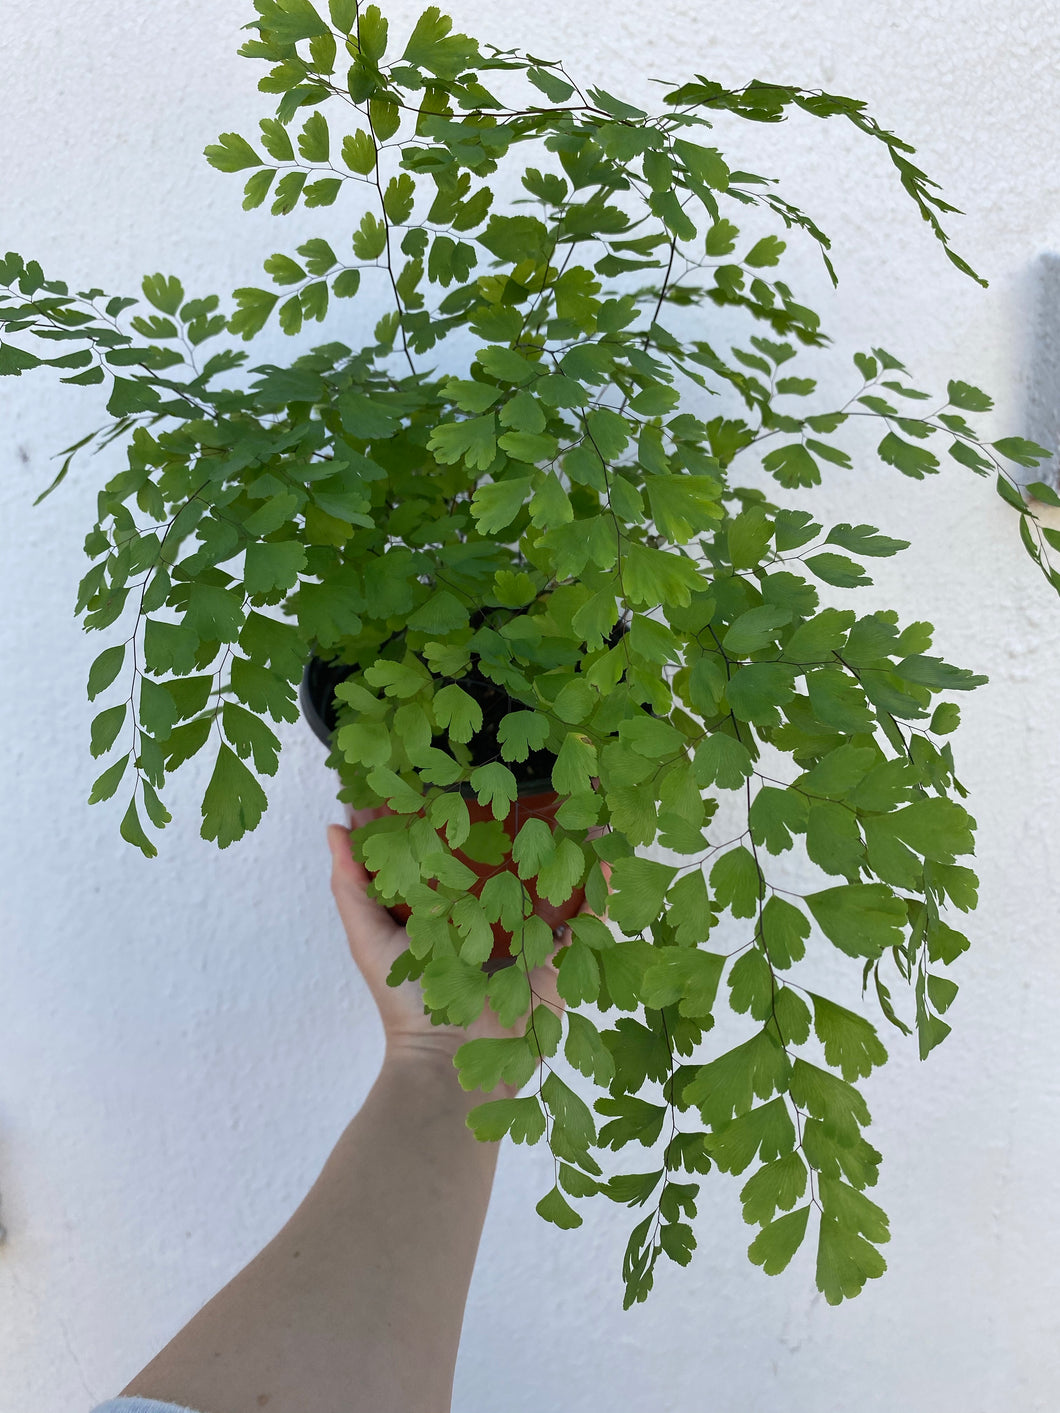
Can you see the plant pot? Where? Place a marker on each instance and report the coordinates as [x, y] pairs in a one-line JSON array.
[[536, 797], [541, 805]]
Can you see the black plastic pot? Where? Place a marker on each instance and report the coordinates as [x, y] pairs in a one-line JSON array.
[[534, 775]]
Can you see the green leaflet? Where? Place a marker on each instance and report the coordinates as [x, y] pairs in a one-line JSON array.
[[494, 784], [766, 1131], [569, 1112], [727, 1087], [631, 1120], [776, 1186], [579, 974], [105, 728], [234, 801], [484, 1064], [523, 1120], [555, 1208], [456, 988], [687, 978], [107, 783], [775, 815], [638, 889], [497, 503], [475, 440], [845, 1261], [575, 764], [584, 1048], [521, 732], [737, 882], [723, 761], [755, 629], [864, 539], [231, 153], [105, 669], [851, 1044], [756, 690], [833, 839], [776, 1243], [838, 1106], [132, 831], [457, 712], [785, 929], [861, 919]]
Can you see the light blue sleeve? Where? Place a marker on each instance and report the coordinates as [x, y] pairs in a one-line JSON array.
[[140, 1405]]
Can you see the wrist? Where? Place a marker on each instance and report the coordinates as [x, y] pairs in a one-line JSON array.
[[428, 1063]]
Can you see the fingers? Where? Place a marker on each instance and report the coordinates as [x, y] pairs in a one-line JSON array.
[[344, 865], [350, 880], [348, 875], [367, 922], [338, 835]]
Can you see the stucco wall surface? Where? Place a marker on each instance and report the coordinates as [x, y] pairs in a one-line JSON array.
[[182, 1040]]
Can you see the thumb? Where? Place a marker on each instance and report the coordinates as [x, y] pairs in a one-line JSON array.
[[338, 842], [346, 871]]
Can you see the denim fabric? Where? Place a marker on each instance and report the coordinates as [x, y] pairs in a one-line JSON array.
[[140, 1405]]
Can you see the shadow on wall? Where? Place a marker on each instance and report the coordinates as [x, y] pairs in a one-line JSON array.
[[1043, 361]]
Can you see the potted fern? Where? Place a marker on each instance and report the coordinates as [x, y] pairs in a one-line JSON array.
[[501, 548]]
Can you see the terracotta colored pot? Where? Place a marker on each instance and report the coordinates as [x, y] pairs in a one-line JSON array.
[[536, 799], [539, 805]]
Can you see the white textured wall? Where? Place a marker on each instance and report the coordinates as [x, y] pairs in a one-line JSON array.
[[182, 1040]]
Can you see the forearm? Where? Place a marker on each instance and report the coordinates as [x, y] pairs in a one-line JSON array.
[[358, 1302]]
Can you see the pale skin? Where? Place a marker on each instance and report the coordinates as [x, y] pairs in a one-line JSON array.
[[357, 1303]]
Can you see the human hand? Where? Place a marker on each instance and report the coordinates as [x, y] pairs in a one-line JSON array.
[[376, 941]]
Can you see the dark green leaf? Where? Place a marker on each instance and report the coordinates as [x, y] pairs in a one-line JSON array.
[[104, 670], [837, 569], [728, 1086], [521, 1119], [845, 1261], [861, 919], [579, 975], [106, 785], [486, 1063], [132, 831], [933, 672], [776, 1244], [555, 1208], [550, 84], [569, 1111], [785, 929], [721, 760], [639, 887], [314, 141], [864, 539], [775, 815], [911, 460], [737, 882], [851, 1044], [234, 802], [967, 398], [231, 153], [776, 1185], [105, 728], [767, 251], [793, 466], [473, 440]]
